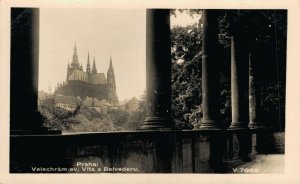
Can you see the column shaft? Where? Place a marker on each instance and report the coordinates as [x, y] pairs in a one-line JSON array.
[[254, 91], [158, 70], [210, 73], [239, 83], [24, 113]]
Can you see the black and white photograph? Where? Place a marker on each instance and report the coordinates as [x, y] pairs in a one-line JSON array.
[[149, 90]]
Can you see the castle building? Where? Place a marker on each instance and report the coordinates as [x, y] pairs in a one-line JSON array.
[[88, 83]]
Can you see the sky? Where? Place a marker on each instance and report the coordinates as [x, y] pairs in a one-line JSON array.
[[119, 33]]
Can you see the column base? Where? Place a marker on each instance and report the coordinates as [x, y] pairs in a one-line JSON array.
[[245, 158], [157, 123], [255, 125], [238, 125], [34, 128], [210, 124]]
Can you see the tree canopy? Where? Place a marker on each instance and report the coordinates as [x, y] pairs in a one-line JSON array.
[[265, 33]]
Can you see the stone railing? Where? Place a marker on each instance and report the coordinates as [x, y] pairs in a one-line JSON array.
[[191, 151]]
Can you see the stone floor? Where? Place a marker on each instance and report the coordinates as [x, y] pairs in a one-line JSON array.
[[262, 164]]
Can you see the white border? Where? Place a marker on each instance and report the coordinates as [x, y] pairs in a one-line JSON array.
[[292, 158]]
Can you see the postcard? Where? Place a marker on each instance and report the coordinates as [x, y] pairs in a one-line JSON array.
[[143, 92]]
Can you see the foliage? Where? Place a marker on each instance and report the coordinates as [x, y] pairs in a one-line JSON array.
[[186, 74], [85, 119], [137, 118], [273, 105], [57, 117], [266, 28]]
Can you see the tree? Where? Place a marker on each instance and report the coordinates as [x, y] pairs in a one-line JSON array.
[[56, 117], [264, 33], [186, 74], [137, 118]]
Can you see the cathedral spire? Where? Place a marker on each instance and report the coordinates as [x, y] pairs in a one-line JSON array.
[[112, 95], [75, 62], [110, 65], [94, 69], [88, 66]]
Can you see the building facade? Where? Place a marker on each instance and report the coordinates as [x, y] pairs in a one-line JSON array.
[[88, 83]]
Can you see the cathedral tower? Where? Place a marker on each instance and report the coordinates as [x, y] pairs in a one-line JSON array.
[[94, 69], [111, 84], [88, 83], [75, 62], [88, 66]]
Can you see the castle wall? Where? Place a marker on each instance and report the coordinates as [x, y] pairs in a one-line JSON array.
[[82, 89]]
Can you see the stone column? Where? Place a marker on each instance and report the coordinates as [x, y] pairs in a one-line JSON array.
[[158, 70], [210, 73], [254, 92], [239, 83], [240, 92], [24, 115]]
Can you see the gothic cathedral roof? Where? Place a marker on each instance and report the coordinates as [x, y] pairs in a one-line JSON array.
[[76, 73]]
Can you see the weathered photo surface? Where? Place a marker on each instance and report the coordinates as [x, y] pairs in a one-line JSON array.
[[147, 90]]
